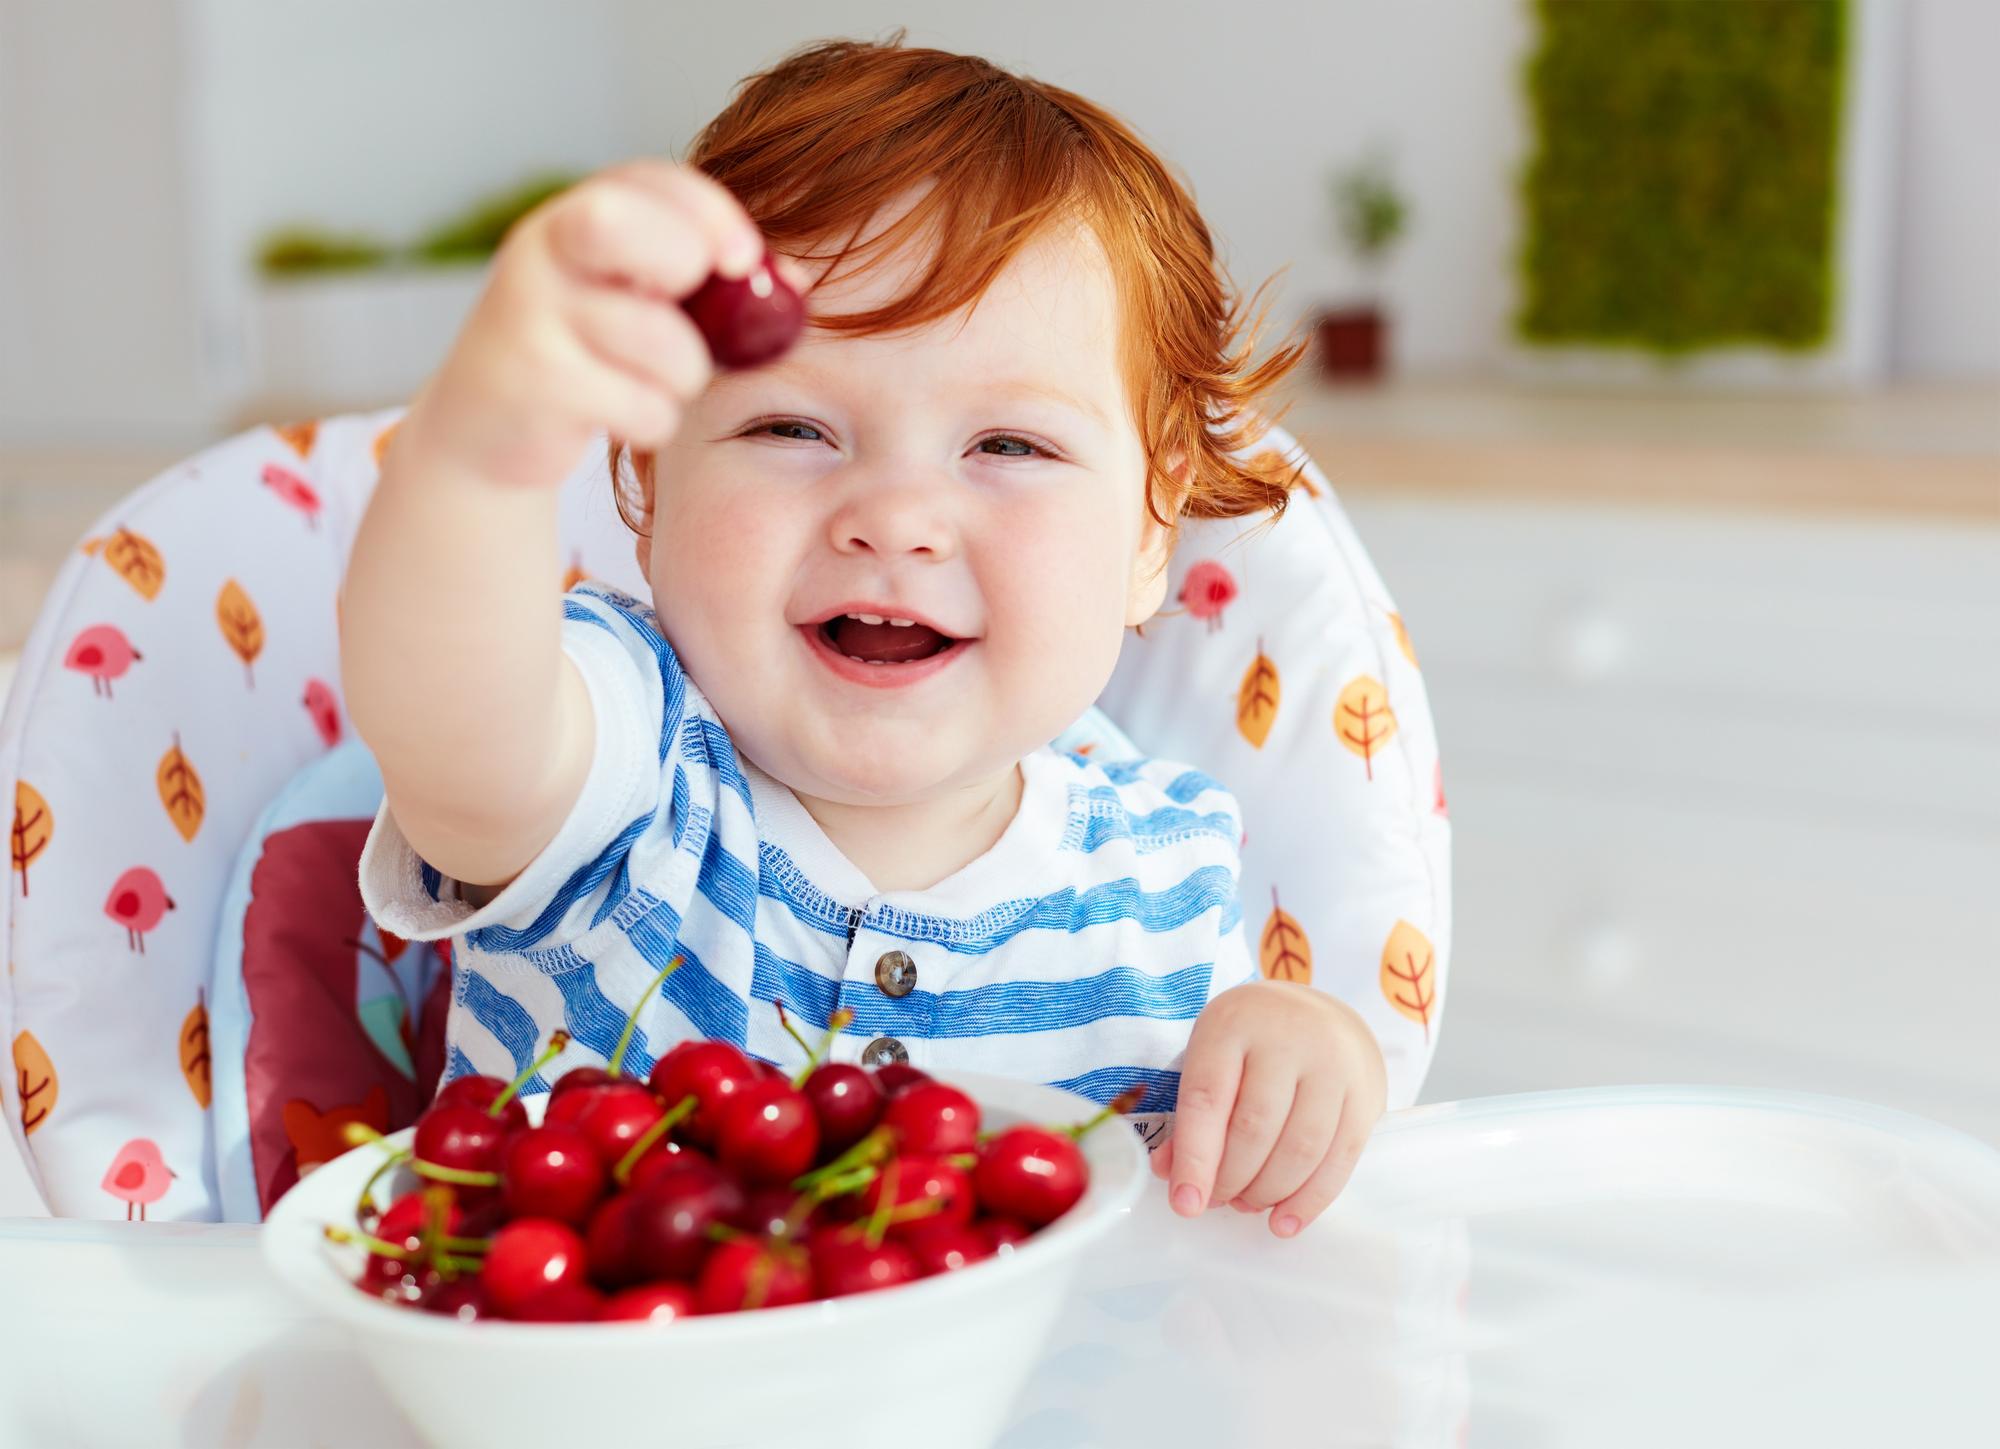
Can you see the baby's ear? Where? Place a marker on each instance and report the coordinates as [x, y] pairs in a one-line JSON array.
[[1156, 548], [635, 505]]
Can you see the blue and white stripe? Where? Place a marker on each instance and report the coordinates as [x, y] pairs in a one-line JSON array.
[[1078, 951]]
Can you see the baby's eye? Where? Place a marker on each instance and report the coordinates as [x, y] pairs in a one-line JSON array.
[[1025, 448], [798, 428]]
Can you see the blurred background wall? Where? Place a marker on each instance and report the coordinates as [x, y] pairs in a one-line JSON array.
[[1714, 641]]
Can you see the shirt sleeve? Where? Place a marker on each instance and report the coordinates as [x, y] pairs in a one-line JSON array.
[[638, 695]]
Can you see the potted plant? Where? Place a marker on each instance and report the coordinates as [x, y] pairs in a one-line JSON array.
[[1370, 214]]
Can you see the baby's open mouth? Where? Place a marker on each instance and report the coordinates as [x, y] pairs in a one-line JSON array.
[[873, 639]]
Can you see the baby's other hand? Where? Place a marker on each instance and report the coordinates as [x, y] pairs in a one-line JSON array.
[[1280, 1088]]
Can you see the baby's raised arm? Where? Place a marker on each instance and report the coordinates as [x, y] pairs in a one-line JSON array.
[[450, 634]]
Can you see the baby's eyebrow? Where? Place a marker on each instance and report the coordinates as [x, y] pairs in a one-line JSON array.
[[1029, 387]]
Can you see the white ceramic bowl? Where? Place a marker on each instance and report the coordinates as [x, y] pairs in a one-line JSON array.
[[933, 1363]]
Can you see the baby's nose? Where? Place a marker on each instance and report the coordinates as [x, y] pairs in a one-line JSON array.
[[894, 520]]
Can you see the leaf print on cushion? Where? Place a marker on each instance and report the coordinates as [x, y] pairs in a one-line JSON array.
[[135, 560], [180, 791], [1408, 974], [242, 627], [1257, 699], [29, 836], [196, 1064], [34, 1081], [1363, 720], [298, 436], [1284, 950]]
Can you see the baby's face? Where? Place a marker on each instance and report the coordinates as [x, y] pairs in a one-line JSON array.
[[981, 477]]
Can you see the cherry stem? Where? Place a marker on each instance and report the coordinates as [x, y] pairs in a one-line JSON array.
[[1124, 1102], [643, 1143], [853, 1181], [964, 1161], [835, 1025], [793, 1032], [449, 1264], [465, 1245], [558, 1044], [358, 1134], [723, 1233], [869, 1150], [615, 1068], [365, 1204], [458, 1176], [437, 1219], [381, 1247]]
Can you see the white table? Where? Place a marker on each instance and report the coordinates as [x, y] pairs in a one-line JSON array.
[[1629, 1267]]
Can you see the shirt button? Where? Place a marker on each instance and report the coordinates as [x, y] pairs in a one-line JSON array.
[[884, 1049], [895, 973]]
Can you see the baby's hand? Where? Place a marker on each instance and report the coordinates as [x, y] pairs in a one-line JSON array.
[[1279, 1090], [579, 330]]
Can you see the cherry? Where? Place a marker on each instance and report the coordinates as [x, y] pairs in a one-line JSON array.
[[462, 1298], [913, 1180], [460, 1137], [575, 1080], [407, 1285], [710, 1071], [947, 1247], [530, 1256], [746, 320], [618, 1116], [661, 1230], [933, 1118], [402, 1222], [766, 1132], [846, 1262], [551, 1172], [1004, 1233], [564, 1303], [746, 1273], [770, 1212], [651, 1303], [894, 1076], [664, 1161], [566, 1109], [482, 1092], [847, 1100], [1030, 1173]]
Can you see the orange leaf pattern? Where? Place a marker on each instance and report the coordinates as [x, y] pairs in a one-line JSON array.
[[299, 435], [137, 562], [1363, 720], [1409, 978], [1403, 639], [34, 1081], [33, 825], [1284, 950], [575, 575], [180, 791], [195, 1061], [242, 627], [382, 441], [1257, 699]]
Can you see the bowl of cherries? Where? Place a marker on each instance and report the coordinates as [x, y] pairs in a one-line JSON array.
[[719, 1252]]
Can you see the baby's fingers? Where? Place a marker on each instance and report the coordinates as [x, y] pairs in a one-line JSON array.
[[1356, 1122], [1209, 1078], [1308, 1133]]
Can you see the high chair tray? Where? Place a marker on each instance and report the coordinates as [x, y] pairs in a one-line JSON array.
[[1629, 1266]]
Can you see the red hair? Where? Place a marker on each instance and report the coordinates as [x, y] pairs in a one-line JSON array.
[[816, 145]]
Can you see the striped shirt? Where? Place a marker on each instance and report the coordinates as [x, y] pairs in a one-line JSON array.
[[1077, 951]]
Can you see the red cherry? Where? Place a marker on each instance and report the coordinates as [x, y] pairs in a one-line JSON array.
[[575, 1080], [844, 1263], [460, 1136], [402, 1222], [664, 1161], [551, 1172], [709, 1071], [747, 320], [769, 1210], [847, 1100], [894, 1076], [564, 1303], [407, 1285], [617, 1117], [462, 1298], [566, 1109], [480, 1092], [933, 1118], [652, 1303], [919, 1179], [746, 1273], [767, 1069], [766, 1133], [946, 1247], [529, 1257], [661, 1230], [1030, 1173], [1004, 1233]]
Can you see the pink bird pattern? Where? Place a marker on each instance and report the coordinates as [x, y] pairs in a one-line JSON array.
[[137, 902], [324, 707], [1208, 589], [104, 653], [293, 490], [138, 1176]]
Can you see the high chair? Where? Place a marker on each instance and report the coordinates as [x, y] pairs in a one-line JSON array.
[[195, 1001]]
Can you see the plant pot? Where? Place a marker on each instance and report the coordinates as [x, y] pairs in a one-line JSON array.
[[1352, 343]]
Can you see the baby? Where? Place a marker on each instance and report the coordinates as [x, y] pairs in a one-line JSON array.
[[887, 570]]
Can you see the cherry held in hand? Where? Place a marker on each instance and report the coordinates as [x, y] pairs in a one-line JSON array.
[[749, 320]]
